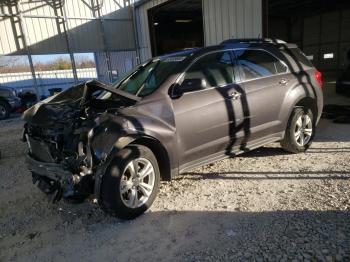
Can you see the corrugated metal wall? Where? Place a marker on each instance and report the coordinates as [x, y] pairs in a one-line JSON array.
[[46, 79], [223, 19], [48, 24], [141, 17], [121, 63], [328, 33]]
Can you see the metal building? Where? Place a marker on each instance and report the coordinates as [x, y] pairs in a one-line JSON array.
[[206, 22], [321, 28], [121, 33], [33, 28]]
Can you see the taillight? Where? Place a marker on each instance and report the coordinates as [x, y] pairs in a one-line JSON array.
[[318, 76]]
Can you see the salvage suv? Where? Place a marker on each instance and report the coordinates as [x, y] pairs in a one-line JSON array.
[[171, 114]]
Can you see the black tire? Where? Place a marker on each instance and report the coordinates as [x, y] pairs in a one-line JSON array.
[[289, 142], [110, 194], [4, 110]]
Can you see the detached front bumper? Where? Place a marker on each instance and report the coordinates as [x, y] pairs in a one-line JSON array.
[[49, 177], [51, 170]]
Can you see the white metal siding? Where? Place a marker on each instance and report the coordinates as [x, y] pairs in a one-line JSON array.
[[223, 19], [46, 79], [121, 62], [43, 22]]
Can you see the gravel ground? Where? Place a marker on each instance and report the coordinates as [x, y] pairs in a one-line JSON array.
[[265, 205]]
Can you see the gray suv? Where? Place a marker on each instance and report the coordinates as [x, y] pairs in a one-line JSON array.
[[171, 114]]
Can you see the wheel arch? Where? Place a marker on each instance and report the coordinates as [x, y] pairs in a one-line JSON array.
[[301, 101], [310, 103], [160, 153]]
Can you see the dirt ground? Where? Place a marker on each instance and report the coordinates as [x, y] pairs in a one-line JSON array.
[[265, 205]]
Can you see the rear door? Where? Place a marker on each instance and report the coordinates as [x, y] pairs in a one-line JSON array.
[[265, 80], [203, 117]]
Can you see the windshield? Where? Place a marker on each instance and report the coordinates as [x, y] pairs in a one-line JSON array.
[[148, 77]]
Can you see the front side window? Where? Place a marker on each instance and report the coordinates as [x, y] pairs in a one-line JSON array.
[[215, 68], [258, 63]]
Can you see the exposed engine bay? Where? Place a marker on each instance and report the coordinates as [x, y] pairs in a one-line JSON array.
[[59, 132]]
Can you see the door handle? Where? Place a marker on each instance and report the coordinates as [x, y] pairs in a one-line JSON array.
[[234, 95], [283, 82]]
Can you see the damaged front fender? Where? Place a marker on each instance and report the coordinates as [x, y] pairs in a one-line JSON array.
[[109, 134]]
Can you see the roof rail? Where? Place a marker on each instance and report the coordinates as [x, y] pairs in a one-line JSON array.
[[253, 40]]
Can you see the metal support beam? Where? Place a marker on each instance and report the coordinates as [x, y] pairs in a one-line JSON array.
[[68, 17], [25, 43], [137, 44], [96, 7], [66, 28]]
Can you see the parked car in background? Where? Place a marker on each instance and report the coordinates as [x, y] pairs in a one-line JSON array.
[[28, 97], [9, 101], [171, 114], [343, 83]]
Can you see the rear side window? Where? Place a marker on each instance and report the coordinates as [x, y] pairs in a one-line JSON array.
[[257, 63], [215, 68], [299, 56]]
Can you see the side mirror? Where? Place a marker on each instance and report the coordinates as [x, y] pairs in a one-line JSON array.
[[188, 85]]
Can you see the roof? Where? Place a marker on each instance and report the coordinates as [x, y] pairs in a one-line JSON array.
[[257, 41]]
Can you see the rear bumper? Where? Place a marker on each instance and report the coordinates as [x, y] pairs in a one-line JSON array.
[[14, 103]]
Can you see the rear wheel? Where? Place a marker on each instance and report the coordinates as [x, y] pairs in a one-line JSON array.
[[4, 110], [300, 131], [131, 183]]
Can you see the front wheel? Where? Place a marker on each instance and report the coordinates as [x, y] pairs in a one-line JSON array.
[[300, 131], [131, 182]]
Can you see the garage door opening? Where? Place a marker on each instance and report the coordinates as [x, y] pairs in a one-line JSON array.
[[320, 28], [176, 25]]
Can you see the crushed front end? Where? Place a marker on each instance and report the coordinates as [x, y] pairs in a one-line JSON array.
[[59, 156], [58, 132]]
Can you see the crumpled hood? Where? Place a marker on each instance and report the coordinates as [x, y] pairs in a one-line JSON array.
[[47, 114], [54, 108], [67, 104]]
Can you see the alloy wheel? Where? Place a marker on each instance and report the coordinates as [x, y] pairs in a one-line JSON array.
[[303, 130], [137, 182]]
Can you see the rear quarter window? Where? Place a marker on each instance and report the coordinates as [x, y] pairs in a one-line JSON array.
[[300, 57]]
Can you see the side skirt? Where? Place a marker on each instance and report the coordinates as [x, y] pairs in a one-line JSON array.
[[236, 151]]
